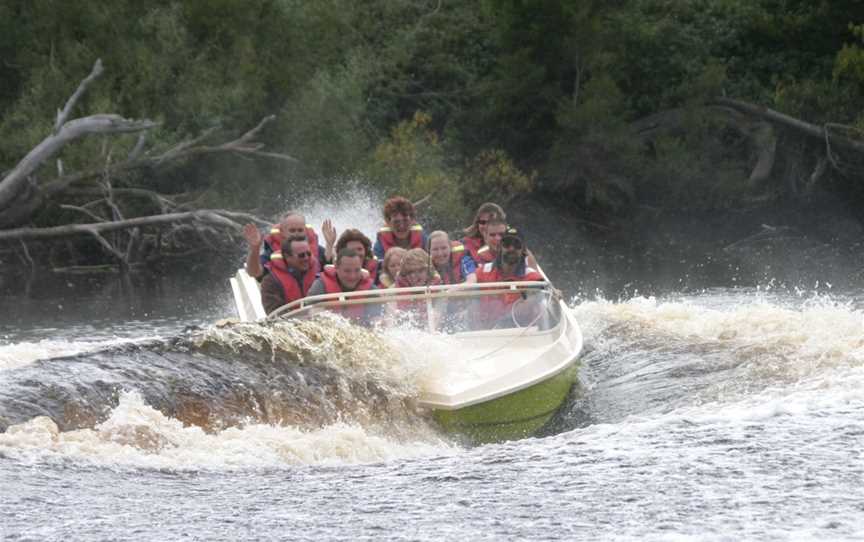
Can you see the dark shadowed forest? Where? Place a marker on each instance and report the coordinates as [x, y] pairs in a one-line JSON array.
[[615, 116]]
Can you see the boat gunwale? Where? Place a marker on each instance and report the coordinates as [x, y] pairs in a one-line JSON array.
[[444, 291]]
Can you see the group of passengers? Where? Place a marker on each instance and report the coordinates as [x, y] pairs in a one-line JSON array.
[[291, 264]]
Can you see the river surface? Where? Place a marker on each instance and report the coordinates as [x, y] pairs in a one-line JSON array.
[[712, 414]]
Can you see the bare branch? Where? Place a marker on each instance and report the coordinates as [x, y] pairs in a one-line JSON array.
[[248, 136], [186, 149], [134, 236], [12, 185], [811, 130], [138, 149], [276, 155], [84, 210], [164, 203], [27, 255], [82, 87], [208, 216], [422, 201], [245, 217], [106, 245], [183, 146]]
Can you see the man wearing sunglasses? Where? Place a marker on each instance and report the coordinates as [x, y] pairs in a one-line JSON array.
[[510, 265], [293, 270]]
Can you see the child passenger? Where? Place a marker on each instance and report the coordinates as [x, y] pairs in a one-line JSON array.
[[390, 267]]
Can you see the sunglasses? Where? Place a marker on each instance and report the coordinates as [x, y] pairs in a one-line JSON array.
[[482, 222], [511, 243], [303, 255]]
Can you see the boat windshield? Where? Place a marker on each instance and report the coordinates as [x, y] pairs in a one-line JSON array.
[[442, 309]]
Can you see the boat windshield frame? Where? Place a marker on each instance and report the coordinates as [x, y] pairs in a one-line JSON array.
[[429, 293]]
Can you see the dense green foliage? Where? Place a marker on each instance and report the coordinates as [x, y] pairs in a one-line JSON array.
[[466, 100]]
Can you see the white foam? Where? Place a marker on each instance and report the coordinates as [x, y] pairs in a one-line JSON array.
[[137, 435], [786, 343], [352, 207]]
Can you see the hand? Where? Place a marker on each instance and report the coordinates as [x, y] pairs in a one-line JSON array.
[[252, 235], [329, 232]]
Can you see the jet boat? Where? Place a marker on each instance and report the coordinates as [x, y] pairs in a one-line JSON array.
[[502, 375]]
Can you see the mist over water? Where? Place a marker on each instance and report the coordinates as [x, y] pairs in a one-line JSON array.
[[717, 411]]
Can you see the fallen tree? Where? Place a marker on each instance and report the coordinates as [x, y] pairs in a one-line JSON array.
[[829, 134], [90, 194]]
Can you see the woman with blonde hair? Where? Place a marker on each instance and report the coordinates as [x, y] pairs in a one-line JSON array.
[[390, 267], [450, 259], [474, 233]]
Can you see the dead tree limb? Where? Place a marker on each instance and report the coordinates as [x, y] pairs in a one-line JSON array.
[[13, 184], [84, 210], [245, 217], [207, 216], [806, 128], [108, 246], [63, 114], [163, 202], [765, 141], [184, 150]]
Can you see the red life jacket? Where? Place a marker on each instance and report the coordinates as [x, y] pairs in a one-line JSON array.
[[274, 239], [484, 255], [371, 265], [454, 272], [473, 244], [388, 239], [332, 286], [291, 289], [494, 307]]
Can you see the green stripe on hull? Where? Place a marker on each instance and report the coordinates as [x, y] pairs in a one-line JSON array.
[[510, 417]]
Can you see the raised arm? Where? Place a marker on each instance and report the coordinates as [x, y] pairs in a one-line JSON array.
[[253, 259], [329, 232]]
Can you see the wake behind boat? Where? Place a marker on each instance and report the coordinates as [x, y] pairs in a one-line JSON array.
[[513, 360]]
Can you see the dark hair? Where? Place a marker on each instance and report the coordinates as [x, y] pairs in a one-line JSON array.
[[398, 205], [487, 208], [354, 235], [345, 253], [286, 245]]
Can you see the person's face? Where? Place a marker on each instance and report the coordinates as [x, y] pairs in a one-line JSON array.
[[511, 251], [439, 249], [400, 223], [493, 236], [292, 226], [481, 223], [357, 246], [300, 255], [394, 265], [350, 271], [415, 276]]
